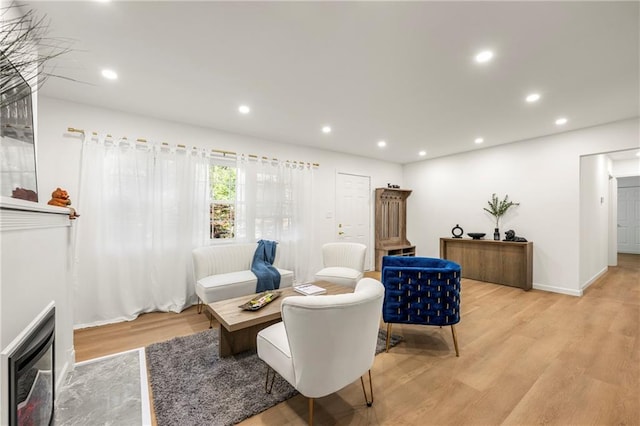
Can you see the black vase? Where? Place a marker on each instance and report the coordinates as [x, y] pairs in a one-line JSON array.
[[496, 234]]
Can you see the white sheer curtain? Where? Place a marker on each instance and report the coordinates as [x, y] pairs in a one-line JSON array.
[[274, 203], [143, 208]]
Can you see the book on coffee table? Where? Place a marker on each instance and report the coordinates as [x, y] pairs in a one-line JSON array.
[[309, 289]]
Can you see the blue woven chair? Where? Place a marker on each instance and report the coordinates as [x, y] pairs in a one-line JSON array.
[[421, 290]]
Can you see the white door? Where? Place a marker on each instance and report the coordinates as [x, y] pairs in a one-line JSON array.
[[629, 220], [353, 210]]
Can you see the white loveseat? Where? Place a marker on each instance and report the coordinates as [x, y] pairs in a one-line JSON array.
[[224, 271]]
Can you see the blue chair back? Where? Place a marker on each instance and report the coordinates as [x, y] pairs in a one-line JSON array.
[[420, 290]]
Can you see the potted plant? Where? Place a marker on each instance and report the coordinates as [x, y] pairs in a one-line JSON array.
[[497, 209]]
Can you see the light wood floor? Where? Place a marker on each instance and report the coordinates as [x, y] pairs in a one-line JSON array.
[[525, 358]]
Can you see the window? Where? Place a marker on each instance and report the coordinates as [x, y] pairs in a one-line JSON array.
[[223, 201]]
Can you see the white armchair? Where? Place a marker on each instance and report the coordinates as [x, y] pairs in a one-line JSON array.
[[325, 342], [343, 263]]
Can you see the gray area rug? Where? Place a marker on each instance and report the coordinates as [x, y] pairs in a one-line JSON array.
[[192, 385]]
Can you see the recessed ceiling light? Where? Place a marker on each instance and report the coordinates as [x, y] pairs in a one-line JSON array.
[[534, 97], [422, 153], [479, 140], [109, 74], [382, 144], [560, 121], [638, 154], [326, 129], [243, 109], [484, 56]]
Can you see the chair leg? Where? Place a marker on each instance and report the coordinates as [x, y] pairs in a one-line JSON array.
[[369, 403], [455, 339], [200, 305], [388, 336], [310, 411], [268, 388]]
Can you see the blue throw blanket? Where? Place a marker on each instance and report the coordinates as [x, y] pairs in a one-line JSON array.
[[262, 266]]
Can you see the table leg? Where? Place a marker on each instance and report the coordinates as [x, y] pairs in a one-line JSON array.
[[226, 342]]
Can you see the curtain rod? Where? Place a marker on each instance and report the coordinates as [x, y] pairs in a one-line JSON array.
[[215, 151]]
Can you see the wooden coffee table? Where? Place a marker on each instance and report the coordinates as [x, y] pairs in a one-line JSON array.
[[239, 328]]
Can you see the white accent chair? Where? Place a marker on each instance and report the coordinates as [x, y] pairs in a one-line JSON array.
[[324, 342], [343, 263]]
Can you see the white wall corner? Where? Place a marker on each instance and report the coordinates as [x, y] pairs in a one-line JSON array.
[[594, 278]]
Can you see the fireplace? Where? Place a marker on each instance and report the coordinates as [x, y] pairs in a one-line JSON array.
[[30, 367]]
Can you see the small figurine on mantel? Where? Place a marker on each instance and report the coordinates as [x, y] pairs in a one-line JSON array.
[[510, 235], [60, 198]]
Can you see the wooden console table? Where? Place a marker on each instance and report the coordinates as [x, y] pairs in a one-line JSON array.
[[500, 262]]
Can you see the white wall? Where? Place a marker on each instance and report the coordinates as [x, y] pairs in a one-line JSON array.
[[594, 217], [59, 155], [624, 168], [613, 222], [543, 174]]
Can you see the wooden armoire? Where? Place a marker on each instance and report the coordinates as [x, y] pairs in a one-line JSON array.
[[391, 224]]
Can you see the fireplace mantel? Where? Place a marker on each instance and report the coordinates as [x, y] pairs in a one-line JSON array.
[[18, 214], [36, 269]]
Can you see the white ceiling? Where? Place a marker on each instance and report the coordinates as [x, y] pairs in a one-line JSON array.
[[402, 72]]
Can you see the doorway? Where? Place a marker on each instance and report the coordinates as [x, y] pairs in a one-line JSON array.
[[353, 211], [601, 211], [625, 220]]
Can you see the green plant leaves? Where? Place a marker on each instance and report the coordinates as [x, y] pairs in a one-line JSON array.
[[498, 208]]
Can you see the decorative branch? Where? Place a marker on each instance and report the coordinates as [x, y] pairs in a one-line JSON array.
[[498, 208], [25, 48]]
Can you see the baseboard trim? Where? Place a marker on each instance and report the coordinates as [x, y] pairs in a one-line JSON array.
[[561, 290], [595, 278], [66, 369]]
